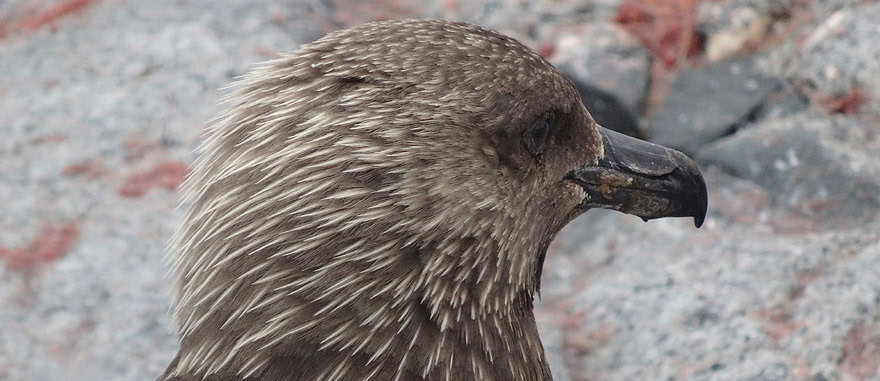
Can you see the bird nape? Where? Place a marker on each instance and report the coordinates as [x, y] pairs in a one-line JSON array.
[[377, 205]]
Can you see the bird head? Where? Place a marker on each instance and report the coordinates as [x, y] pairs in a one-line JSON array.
[[396, 165], [457, 134]]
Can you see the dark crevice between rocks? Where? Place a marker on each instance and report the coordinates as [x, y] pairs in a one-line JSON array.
[[767, 109], [750, 117]]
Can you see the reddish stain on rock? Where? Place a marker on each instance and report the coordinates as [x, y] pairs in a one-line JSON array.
[[354, 12], [263, 51], [93, 169], [793, 222], [742, 204], [801, 369], [546, 50], [778, 324], [450, 6], [50, 14], [51, 243], [847, 104], [666, 27], [138, 146], [166, 175], [276, 16], [67, 344], [861, 355], [51, 138]]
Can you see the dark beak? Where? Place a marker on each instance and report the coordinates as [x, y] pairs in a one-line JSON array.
[[643, 179]]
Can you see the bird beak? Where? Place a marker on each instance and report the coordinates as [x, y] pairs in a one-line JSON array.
[[644, 179]]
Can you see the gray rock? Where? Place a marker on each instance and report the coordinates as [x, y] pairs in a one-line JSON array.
[[716, 303], [835, 318], [729, 26], [93, 86], [823, 9], [705, 104], [605, 56], [530, 21], [752, 295], [837, 56], [781, 103], [819, 165]]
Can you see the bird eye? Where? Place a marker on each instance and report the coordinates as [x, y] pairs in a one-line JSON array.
[[536, 135]]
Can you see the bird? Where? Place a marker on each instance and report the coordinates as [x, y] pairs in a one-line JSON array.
[[378, 204]]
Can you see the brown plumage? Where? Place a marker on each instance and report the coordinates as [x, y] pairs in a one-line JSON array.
[[377, 205]]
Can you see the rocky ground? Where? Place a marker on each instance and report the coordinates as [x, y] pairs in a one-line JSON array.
[[102, 103]]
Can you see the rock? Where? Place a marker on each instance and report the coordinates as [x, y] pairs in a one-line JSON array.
[[822, 9], [74, 91], [785, 101], [729, 301], [835, 314], [603, 55], [731, 26], [836, 57], [705, 104], [780, 283], [821, 166], [530, 21]]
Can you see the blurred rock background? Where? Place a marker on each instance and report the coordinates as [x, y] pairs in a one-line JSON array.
[[102, 104]]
